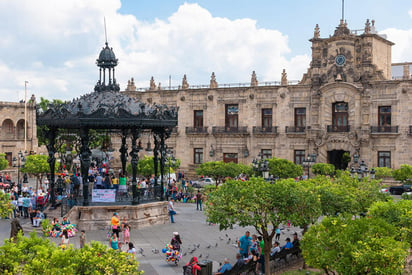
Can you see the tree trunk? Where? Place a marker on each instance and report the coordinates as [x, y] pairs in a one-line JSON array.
[[268, 245]]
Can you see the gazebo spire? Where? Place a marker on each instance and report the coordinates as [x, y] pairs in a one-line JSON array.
[[107, 61]]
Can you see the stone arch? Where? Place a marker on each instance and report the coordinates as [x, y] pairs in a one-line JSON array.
[[7, 129], [20, 129], [340, 93]]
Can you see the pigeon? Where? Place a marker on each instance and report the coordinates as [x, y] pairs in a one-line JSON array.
[[207, 256], [198, 245], [155, 251], [208, 246], [216, 245], [141, 251], [184, 254], [220, 238], [200, 256], [226, 235], [228, 241]]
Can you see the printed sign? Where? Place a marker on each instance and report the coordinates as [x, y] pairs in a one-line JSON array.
[[104, 195]]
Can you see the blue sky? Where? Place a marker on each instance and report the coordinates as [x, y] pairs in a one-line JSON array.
[[53, 44]]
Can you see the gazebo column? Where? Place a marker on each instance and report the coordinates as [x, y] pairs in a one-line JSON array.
[[85, 154], [51, 137], [162, 160], [135, 159], [155, 165], [123, 151]]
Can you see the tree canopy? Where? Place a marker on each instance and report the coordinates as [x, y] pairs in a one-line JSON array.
[[36, 255], [3, 162], [219, 170], [403, 174], [359, 246], [283, 168], [38, 166], [325, 169], [263, 205], [5, 205], [145, 166]]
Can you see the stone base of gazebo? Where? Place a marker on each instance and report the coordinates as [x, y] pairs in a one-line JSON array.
[[138, 216]]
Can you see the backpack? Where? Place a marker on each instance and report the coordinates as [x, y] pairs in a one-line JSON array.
[[187, 269]]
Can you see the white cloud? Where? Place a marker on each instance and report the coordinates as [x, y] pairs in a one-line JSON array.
[[54, 45]]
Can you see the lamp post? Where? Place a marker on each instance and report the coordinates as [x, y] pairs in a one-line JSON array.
[[362, 171], [171, 161], [261, 165], [19, 162], [308, 162]]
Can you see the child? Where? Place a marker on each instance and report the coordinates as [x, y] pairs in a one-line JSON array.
[[65, 240], [82, 238], [126, 233], [131, 249]]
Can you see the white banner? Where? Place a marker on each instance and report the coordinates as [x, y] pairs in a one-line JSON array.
[[104, 195]]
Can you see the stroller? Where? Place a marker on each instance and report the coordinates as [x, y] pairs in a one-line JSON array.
[[172, 255]]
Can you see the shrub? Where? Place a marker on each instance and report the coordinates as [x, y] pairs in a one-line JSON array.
[[325, 169], [382, 172]]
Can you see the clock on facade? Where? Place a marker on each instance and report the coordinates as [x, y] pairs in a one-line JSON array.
[[340, 60]]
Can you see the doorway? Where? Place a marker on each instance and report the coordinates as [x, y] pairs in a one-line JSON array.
[[339, 159]]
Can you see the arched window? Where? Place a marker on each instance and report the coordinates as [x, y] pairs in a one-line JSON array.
[[20, 129], [7, 129]]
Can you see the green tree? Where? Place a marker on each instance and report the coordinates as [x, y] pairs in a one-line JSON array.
[[284, 168], [145, 166], [360, 246], [325, 169], [219, 170], [382, 172], [403, 174], [263, 205], [37, 166], [36, 255], [396, 213], [3, 162], [5, 205]]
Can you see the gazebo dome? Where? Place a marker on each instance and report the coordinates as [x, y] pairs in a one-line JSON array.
[[107, 58]]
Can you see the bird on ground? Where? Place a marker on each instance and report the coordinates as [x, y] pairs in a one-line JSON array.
[[184, 254], [220, 238], [207, 256], [155, 251], [216, 245], [141, 250], [208, 246], [198, 245], [228, 241], [200, 256], [226, 235]]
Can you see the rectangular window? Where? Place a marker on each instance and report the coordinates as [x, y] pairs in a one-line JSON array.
[[340, 114], [266, 118], [300, 117], [232, 116], [385, 116], [230, 157], [9, 157], [384, 159], [198, 155], [198, 119], [299, 156], [266, 153]]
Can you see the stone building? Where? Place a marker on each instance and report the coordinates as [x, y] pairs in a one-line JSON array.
[[346, 102], [12, 132]]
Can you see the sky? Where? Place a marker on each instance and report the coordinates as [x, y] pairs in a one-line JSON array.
[[54, 44]]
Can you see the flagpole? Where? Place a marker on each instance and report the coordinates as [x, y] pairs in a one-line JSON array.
[[25, 116]]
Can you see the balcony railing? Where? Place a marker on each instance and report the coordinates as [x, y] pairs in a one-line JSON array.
[[265, 130], [410, 130], [384, 129], [229, 130], [295, 129], [338, 128], [196, 130]]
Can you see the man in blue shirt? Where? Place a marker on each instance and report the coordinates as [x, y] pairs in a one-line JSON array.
[[288, 244], [244, 244], [226, 266]]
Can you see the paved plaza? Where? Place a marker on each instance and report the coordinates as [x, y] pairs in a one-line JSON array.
[[214, 245]]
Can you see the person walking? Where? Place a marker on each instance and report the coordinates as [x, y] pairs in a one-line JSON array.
[[199, 201], [65, 240], [82, 238], [171, 209], [244, 244], [114, 242], [115, 223]]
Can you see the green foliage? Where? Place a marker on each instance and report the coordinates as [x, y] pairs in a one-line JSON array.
[[218, 170], [403, 174], [263, 205], [406, 196], [37, 166], [6, 207], [360, 246], [3, 162], [323, 169], [398, 214], [46, 226], [284, 168], [382, 172], [145, 167], [36, 255]]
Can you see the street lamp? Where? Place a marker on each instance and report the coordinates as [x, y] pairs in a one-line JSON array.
[[19, 162], [171, 161], [362, 171], [308, 162], [261, 165]]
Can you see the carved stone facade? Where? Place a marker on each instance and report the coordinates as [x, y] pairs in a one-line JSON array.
[[347, 102]]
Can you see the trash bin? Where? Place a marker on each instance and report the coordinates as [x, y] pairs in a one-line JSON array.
[[206, 267]]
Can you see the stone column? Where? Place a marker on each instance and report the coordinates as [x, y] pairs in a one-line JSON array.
[[85, 155], [123, 151], [155, 163]]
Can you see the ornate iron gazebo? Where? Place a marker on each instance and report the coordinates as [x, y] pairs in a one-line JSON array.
[[107, 108]]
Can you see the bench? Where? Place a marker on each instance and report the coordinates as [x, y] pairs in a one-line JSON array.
[[282, 255], [237, 269]]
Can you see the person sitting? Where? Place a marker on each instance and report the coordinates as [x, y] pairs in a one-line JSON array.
[[288, 244], [65, 221], [239, 260], [296, 242], [275, 249], [193, 264], [56, 225], [225, 267], [252, 257], [38, 218]]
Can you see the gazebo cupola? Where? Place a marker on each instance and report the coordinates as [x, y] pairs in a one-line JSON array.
[[107, 61]]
